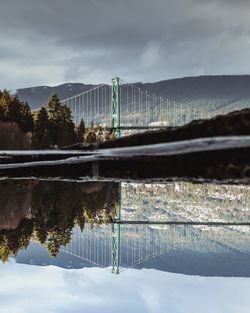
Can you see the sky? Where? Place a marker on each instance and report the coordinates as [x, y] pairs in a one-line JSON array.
[[50, 42], [28, 289]]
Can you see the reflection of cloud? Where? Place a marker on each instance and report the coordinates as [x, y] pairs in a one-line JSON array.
[[49, 289]]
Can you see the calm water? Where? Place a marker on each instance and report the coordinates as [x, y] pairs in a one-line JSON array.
[[111, 228]]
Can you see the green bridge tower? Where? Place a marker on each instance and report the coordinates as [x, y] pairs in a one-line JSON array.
[[116, 107], [115, 125]]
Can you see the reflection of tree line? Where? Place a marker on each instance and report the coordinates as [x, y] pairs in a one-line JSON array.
[[54, 209]]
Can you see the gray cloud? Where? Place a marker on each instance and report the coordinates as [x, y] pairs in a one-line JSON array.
[[50, 42]]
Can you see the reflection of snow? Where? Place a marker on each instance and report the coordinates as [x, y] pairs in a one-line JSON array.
[[183, 201], [177, 187]]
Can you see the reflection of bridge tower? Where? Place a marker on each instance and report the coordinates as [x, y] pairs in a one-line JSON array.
[[116, 239]]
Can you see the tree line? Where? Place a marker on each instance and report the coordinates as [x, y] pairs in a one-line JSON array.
[[50, 126]]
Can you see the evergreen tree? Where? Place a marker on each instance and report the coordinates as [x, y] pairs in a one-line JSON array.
[[41, 119], [27, 122], [1, 110], [54, 108], [12, 109], [80, 131], [5, 102], [61, 123], [41, 137], [67, 127]]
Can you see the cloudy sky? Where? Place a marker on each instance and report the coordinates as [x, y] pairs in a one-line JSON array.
[[54, 41], [28, 289]]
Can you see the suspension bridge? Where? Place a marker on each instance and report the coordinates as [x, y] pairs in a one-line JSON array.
[[123, 106]]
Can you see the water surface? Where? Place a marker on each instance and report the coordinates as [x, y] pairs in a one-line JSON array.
[[192, 236]]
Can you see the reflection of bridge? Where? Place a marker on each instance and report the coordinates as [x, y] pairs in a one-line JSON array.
[[127, 105], [139, 243], [134, 238], [125, 245], [136, 244]]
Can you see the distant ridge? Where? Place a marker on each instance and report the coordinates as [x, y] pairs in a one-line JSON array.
[[227, 92], [37, 96]]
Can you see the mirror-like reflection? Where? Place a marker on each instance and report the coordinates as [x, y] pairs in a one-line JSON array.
[[117, 226], [46, 212]]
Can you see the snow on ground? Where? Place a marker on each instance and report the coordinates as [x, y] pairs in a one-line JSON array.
[[26, 288]]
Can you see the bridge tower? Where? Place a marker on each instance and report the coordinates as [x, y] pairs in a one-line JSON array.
[[116, 107], [115, 124]]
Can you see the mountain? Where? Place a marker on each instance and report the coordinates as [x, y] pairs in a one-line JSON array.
[[37, 96], [217, 92]]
